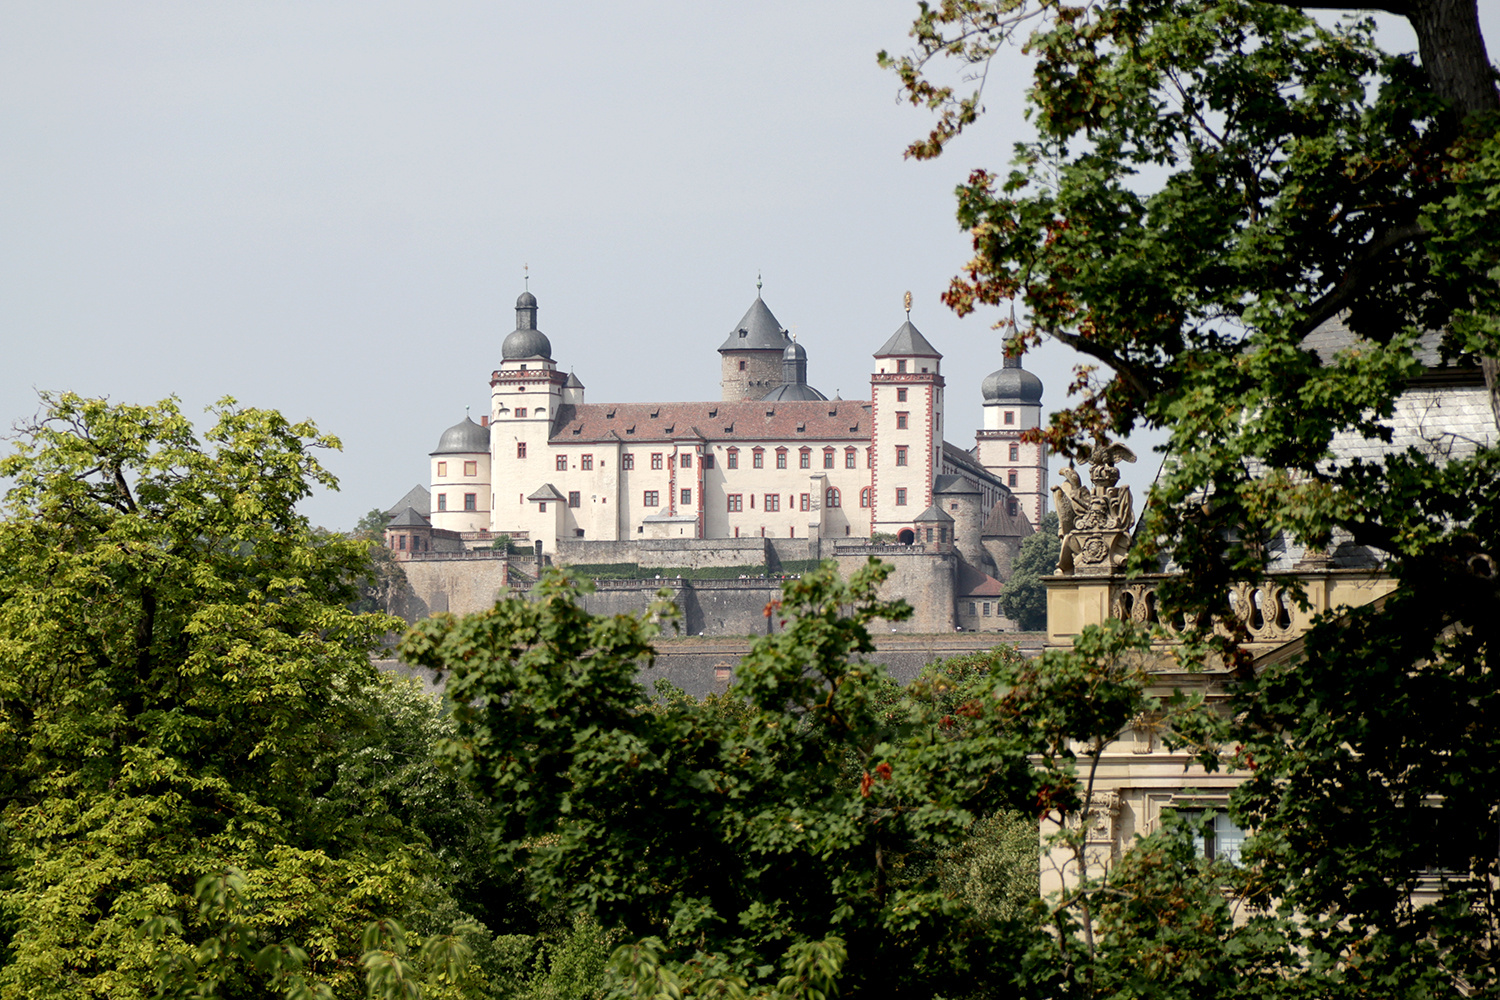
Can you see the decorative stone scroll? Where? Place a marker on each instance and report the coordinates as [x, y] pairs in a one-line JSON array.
[[1266, 610], [1094, 525]]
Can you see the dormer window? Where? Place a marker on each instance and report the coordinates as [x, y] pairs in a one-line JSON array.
[[523, 368]]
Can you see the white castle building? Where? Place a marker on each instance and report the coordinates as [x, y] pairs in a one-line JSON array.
[[772, 457]]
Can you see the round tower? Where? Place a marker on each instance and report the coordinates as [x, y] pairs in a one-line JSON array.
[[751, 357], [461, 478]]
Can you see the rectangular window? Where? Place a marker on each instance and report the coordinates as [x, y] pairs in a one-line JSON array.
[[542, 506], [687, 460], [1010, 416], [758, 459], [929, 534], [736, 503], [562, 463], [471, 468], [656, 460], [627, 461], [806, 502], [520, 413], [574, 499], [901, 454], [900, 395], [708, 462], [781, 458], [900, 367], [520, 449], [900, 497], [442, 468], [651, 498], [901, 420], [974, 610], [1220, 839], [850, 458], [685, 498], [1010, 507], [401, 542], [804, 458], [442, 501], [1012, 479], [1015, 453], [732, 459], [827, 458], [986, 607], [586, 462], [773, 502], [471, 501]]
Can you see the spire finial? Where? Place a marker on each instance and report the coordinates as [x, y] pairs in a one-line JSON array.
[[526, 271], [757, 284], [908, 305], [466, 413]]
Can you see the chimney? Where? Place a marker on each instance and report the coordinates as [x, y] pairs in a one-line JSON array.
[[484, 421]]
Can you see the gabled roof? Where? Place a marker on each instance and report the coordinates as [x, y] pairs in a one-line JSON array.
[[572, 382], [416, 498], [907, 342], [742, 421], [547, 492], [934, 514], [757, 330]]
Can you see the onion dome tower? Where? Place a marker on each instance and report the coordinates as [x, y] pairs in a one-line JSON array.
[[1012, 406]]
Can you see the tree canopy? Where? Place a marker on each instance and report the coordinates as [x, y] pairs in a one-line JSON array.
[[1212, 186], [189, 718]]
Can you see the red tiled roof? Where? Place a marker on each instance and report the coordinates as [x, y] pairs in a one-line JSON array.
[[972, 583], [781, 421]]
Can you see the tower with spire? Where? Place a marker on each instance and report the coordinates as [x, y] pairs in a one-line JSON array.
[[751, 356], [906, 395]]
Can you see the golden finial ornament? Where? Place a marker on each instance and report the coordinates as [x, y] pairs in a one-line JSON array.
[[908, 305]]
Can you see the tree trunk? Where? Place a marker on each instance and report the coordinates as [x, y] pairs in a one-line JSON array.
[[1453, 54]]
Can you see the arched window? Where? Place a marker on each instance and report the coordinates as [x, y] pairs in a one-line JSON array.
[[864, 497], [831, 498]]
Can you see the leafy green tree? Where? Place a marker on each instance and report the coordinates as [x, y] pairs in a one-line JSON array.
[[1212, 181], [1024, 598], [184, 693], [817, 828]]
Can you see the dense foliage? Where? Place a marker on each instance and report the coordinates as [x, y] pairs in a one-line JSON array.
[[1025, 597], [192, 733], [1210, 183]]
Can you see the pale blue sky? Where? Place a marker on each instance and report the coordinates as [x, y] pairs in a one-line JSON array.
[[325, 207]]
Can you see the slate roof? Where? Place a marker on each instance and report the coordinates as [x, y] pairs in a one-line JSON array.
[[934, 514], [572, 382], [417, 498], [952, 484], [907, 341], [757, 330], [966, 461], [1003, 524], [547, 492], [463, 438], [408, 518], [744, 420]]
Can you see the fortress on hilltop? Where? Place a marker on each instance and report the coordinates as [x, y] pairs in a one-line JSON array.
[[770, 474]]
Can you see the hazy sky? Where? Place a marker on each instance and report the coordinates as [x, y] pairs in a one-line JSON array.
[[325, 207]]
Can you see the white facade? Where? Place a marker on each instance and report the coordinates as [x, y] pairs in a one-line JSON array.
[[555, 466]]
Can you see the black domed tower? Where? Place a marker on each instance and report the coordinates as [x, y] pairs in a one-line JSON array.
[[1012, 406]]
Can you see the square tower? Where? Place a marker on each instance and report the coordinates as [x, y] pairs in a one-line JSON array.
[[906, 392]]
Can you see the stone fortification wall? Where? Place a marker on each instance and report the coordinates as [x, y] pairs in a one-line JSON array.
[[785, 550], [684, 553], [461, 586], [706, 666], [711, 607], [926, 580]]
